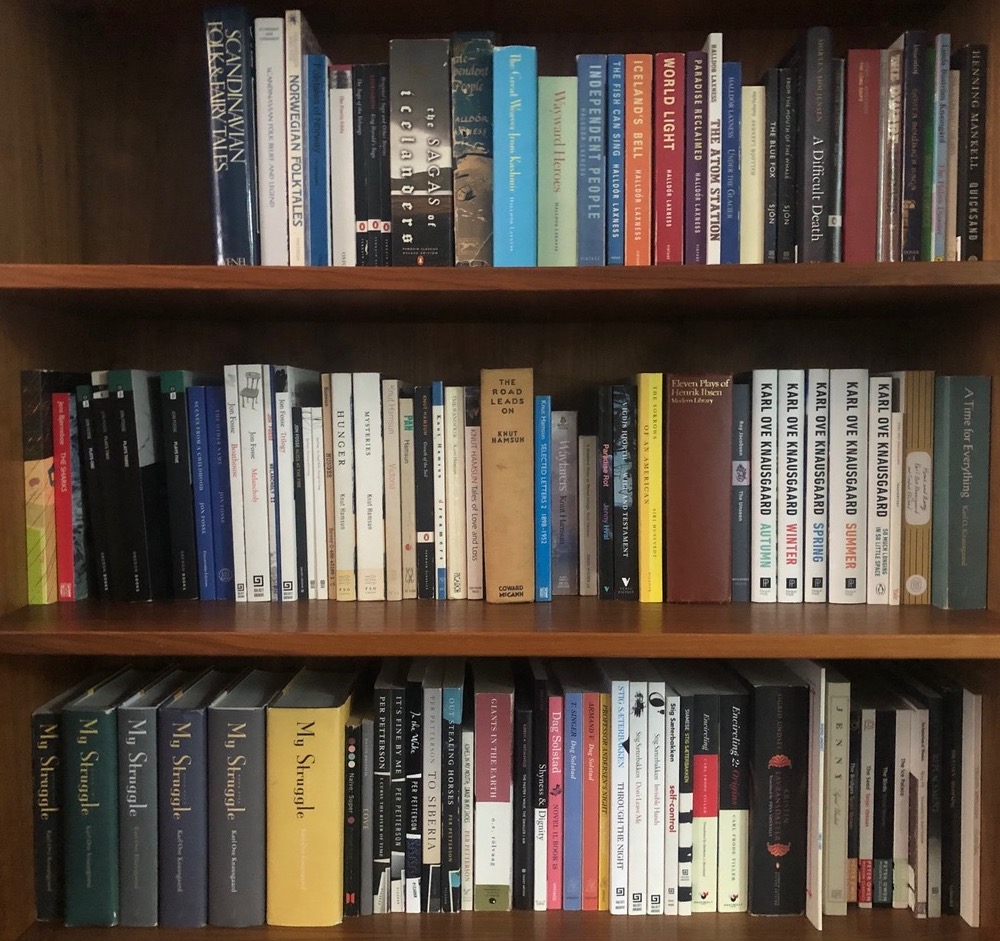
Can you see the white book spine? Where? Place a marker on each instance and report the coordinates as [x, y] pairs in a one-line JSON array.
[[454, 457], [656, 798], [638, 798], [326, 397], [866, 809], [879, 487], [393, 491], [671, 840], [541, 843], [916, 886], [319, 507], [295, 103], [309, 492], [407, 498], [344, 238], [835, 797], [284, 469], [791, 458], [343, 485], [587, 488], [430, 817], [713, 226], [369, 507], [951, 213], [763, 483], [896, 482], [272, 484], [231, 382], [440, 493], [468, 817], [473, 498], [848, 485], [272, 146], [901, 808], [752, 172], [816, 503], [253, 446], [971, 814], [620, 829]]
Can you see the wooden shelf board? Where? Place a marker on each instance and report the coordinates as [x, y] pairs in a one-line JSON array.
[[566, 627], [558, 294]]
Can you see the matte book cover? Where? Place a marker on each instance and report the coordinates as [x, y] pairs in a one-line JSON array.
[[625, 511]]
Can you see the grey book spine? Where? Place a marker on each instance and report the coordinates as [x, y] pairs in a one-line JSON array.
[[564, 495], [236, 817], [367, 797], [740, 505]]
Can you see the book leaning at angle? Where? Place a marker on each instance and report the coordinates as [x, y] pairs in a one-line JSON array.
[[507, 409], [305, 799]]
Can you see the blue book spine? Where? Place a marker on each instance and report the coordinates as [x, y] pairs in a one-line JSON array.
[[543, 498], [317, 162], [732, 94], [616, 159], [591, 188], [232, 135], [573, 804], [515, 149], [202, 490], [220, 502]]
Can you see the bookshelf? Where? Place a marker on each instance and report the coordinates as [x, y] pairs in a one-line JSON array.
[[104, 236]]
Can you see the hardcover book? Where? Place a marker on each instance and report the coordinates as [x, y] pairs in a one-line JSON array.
[[695, 162], [557, 176], [668, 158], [615, 233], [638, 180], [317, 117], [625, 514], [592, 124]]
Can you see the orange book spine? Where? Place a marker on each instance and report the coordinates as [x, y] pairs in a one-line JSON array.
[[638, 160]]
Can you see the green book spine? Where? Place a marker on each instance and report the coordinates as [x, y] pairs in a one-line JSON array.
[[961, 491], [557, 175], [90, 766]]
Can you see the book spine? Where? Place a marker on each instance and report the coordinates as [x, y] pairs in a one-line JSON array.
[[296, 47], [285, 495], [455, 509], [494, 797], [222, 536], [383, 167], [861, 155], [398, 725], [235, 462], [540, 791], [672, 798], [605, 493], [917, 851], [423, 442], [554, 865], [951, 205], [590, 807], [381, 802], [815, 153], [308, 545], [71, 563], [866, 808], [961, 475], [557, 171], [853, 802], [229, 44], [816, 484], [430, 875], [515, 128], [604, 810], [772, 145], [451, 794], [468, 815], [763, 487], [753, 174], [941, 104], [97, 523], [201, 460], [616, 160], [848, 488], [788, 116], [48, 809], [971, 822], [891, 157], [836, 225], [317, 95], [319, 506], [791, 448], [572, 826], [587, 524], [668, 158], [342, 389], [343, 239], [619, 787], [638, 181], [685, 805], [914, 121], [732, 103], [735, 733], [901, 808], [473, 494], [299, 491], [592, 123], [650, 512], [252, 445], [272, 149], [564, 517], [625, 511], [656, 796], [638, 796], [354, 773], [369, 486], [705, 816], [408, 510], [275, 380], [695, 163], [413, 768], [885, 792], [367, 902], [879, 487], [472, 147], [972, 63], [918, 456], [740, 501], [177, 451], [543, 498], [392, 492], [360, 87], [524, 849], [836, 798], [440, 495], [713, 138]]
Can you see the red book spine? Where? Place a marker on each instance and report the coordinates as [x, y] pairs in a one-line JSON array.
[[555, 815], [63, 487], [668, 159], [861, 154], [591, 798], [638, 160]]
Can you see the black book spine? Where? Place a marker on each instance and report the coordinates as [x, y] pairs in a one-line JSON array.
[[47, 801], [626, 517], [413, 766], [914, 120], [935, 801], [885, 781], [423, 450], [605, 493], [772, 117], [299, 492], [685, 813], [111, 511], [971, 61], [740, 499], [97, 524], [359, 93], [384, 204], [814, 164], [382, 822], [137, 816], [177, 452], [524, 846], [787, 164], [853, 803], [354, 772], [780, 791], [451, 799], [951, 803], [397, 789]]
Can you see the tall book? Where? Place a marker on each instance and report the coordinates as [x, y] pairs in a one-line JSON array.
[[564, 497], [234, 452], [816, 513], [971, 814], [740, 493], [494, 716], [763, 486], [668, 158], [951, 208], [735, 726], [836, 217], [418, 747], [356, 811], [388, 692], [507, 401], [638, 178], [972, 64], [423, 446], [879, 487], [392, 489], [71, 535], [587, 527], [961, 491], [272, 149], [543, 498], [591, 74], [305, 799], [836, 758], [91, 454], [252, 440], [431, 884], [935, 183], [523, 836], [515, 146], [317, 94], [472, 147], [650, 425], [786, 245], [556, 726], [791, 474], [229, 44], [615, 233], [474, 493], [557, 176], [343, 238], [420, 145], [699, 416], [342, 391], [914, 117], [732, 104], [772, 137], [539, 691], [616, 682], [440, 492], [753, 174], [453, 708], [890, 160], [407, 502], [713, 147], [625, 515], [605, 493], [696, 164], [369, 496], [861, 149]]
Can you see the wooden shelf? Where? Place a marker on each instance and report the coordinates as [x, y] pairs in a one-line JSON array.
[[583, 627], [460, 294]]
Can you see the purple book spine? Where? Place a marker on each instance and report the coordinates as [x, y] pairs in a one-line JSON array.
[[695, 166]]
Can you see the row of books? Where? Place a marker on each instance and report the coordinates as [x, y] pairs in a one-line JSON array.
[[425, 785], [456, 152], [787, 485]]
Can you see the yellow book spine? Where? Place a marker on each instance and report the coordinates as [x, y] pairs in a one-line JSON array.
[[305, 816], [650, 427], [604, 833]]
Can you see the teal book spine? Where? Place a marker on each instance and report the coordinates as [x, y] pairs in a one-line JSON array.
[[515, 148], [961, 491], [557, 171]]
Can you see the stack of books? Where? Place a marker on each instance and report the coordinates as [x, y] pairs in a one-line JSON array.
[[457, 152]]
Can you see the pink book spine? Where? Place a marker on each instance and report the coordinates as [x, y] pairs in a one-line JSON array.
[[555, 811], [668, 159]]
